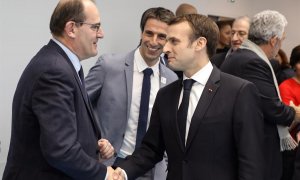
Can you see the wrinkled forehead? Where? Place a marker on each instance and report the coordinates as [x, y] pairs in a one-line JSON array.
[[241, 25]]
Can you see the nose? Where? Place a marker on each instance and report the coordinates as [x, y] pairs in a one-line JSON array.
[[166, 48], [100, 33], [234, 37], [154, 40]]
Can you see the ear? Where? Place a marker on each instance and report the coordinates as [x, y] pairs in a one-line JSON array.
[[70, 29], [200, 43], [273, 41]]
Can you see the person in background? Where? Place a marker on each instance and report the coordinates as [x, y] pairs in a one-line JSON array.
[[117, 87], [202, 120], [185, 8], [225, 36], [290, 91], [282, 67], [252, 62], [54, 132], [239, 32]]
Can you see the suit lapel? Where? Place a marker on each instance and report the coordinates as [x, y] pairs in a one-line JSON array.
[[128, 70], [208, 93], [163, 81], [173, 102], [82, 90]]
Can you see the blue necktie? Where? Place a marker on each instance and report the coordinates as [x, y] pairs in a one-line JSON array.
[[183, 108], [144, 107], [81, 76]]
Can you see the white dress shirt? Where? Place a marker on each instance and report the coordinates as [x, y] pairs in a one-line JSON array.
[[201, 78], [139, 65]]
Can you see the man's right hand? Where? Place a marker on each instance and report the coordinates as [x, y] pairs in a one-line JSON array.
[[297, 110], [115, 174]]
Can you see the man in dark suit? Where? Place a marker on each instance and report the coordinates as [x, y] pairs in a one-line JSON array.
[[54, 133], [251, 62], [213, 133]]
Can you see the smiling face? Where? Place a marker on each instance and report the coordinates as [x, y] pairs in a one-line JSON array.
[[87, 36], [153, 39]]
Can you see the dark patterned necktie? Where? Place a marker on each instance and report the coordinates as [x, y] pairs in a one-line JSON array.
[[183, 108], [144, 107]]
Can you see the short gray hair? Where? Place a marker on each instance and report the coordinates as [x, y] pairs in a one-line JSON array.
[[266, 25]]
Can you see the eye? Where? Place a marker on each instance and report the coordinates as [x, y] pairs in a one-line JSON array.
[[149, 33], [95, 27], [162, 37]]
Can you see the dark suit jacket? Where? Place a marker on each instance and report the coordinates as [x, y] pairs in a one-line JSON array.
[[247, 65], [218, 59], [224, 139], [297, 166], [54, 135]]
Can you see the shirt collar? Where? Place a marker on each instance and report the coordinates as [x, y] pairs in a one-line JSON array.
[[73, 58], [141, 64], [202, 75]]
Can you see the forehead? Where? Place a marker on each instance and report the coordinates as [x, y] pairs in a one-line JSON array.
[[91, 12], [241, 25], [155, 25], [179, 29]]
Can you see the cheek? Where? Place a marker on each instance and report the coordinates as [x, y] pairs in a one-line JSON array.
[[297, 68]]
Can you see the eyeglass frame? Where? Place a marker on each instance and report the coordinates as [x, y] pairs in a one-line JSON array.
[[95, 27]]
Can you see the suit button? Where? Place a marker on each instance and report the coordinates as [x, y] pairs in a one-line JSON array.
[[185, 161]]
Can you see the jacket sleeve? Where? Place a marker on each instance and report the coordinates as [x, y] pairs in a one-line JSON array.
[[151, 150], [54, 105], [275, 112]]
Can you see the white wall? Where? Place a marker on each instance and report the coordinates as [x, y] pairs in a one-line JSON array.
[[24, 29]]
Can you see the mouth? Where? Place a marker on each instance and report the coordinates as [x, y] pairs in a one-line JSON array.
[[170, 58], [153, 49]]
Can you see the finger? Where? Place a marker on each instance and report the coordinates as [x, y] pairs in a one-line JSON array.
[[108, 152], [292, 103], [102, 142], [117, 174]]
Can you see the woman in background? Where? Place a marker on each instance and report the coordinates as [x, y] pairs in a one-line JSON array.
[[290, 91], [225, 36], [285, 70]]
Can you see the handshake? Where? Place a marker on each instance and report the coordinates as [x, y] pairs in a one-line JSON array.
[[117, 174], [107, 151]]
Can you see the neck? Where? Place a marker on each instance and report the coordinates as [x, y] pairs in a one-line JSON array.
[[68, 44], [194, 68], [267, 50], [297, 78], [220, 46]]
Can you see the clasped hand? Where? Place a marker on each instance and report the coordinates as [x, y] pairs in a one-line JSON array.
[[116, 174]]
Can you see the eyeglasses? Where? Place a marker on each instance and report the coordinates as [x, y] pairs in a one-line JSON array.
[[94, 27]]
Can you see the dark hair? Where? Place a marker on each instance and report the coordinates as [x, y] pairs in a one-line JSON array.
[[158, 13], [295, 56], [223, 23], [284, 59], [201, 26], [70, 10]]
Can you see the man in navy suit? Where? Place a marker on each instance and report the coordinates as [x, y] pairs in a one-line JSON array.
[[220, 135], [54, 133]]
